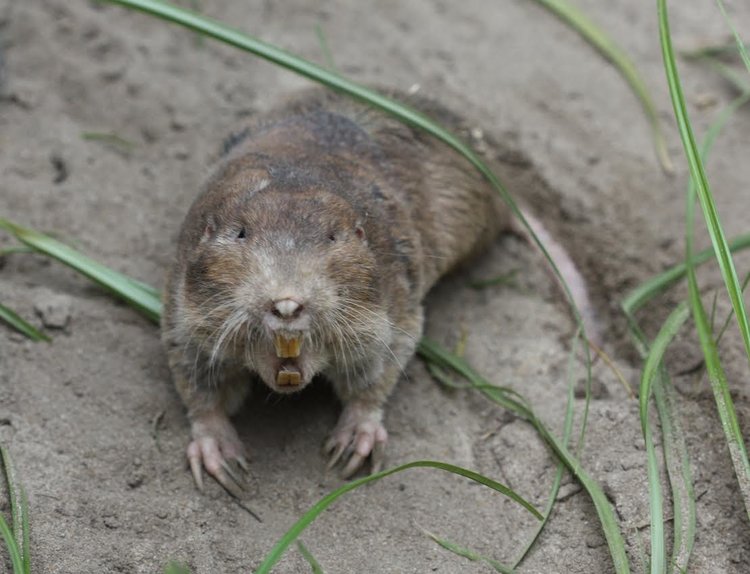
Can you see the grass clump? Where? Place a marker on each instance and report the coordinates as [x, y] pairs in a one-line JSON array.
[[700, 187], [654, 376]]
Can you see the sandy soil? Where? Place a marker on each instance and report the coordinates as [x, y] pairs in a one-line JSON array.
[[78, 415]]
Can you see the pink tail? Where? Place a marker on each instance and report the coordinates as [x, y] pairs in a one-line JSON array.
[[568, 270]]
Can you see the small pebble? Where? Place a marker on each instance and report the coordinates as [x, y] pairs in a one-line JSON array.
[[179, 121], [25, 95], [112, 522], [54, 309], [60, 167], [180, 152], [136, 479], [595, 540]]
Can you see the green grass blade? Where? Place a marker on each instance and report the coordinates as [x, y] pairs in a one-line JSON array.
[[109, 138], [730, 74], [714, 303], [676, 457], [468, 554], [651, 369], [740, 45], [325, 49], [711, 56], [10, 543], [679, 472], [19, 518], [15, 497], [597, 38], [442, 359], [26, 527], [718, 125], [714, 51], [176, 568], [293, 533], [20, 325], [649, 289], [722, 396], [504, 279], [698, 175], [147, 289], [315, 566], [137, 294], [728, 320]]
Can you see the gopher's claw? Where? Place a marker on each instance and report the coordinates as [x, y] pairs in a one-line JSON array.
[[377, 457], [355, 462], [244, 465], [335, 451], [358, 435], [196, 468], [233, 469], [222, 457]]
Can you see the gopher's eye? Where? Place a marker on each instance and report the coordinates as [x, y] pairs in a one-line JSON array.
[[332, 237], [242, 234]]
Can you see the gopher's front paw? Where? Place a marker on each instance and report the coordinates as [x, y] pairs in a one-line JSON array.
[[217, 447], [358, 434]]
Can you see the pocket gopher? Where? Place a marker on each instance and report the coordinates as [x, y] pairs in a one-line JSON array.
[[309, 251]]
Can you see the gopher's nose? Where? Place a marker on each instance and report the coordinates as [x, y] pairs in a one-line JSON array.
[[287, 309]]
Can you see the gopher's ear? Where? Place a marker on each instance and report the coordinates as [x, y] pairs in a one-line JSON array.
[[209, 229], [251, 180], [359, 231]]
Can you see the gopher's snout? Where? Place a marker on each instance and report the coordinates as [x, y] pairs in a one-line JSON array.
[[287, 309], [286, 316]]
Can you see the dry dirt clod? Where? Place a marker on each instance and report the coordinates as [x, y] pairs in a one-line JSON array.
[[54, 309]]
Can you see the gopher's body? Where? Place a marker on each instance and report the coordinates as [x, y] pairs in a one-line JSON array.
[[310, 251]]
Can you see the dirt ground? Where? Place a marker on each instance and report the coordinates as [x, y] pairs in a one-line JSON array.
[[92, 421]]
